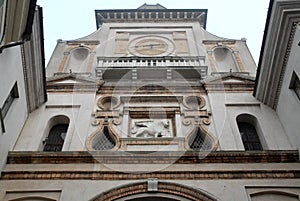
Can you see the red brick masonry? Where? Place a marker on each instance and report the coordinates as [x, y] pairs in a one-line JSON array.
[[117, 157]]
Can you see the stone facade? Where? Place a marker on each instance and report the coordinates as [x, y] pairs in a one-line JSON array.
[[152, 107]]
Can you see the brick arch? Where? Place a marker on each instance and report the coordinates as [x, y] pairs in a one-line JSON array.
[[163, 187], [30, 198]]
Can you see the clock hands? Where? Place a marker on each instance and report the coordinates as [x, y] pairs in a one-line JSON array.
[[150, 45]]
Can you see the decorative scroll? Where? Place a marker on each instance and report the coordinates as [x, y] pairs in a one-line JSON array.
[[186, 122], [117, 120], [206, 121], [95, 122]]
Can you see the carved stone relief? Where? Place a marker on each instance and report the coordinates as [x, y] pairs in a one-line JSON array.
[[151, 128], [186, 125]]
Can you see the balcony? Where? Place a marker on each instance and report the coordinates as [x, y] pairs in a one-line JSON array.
[[152, 68]]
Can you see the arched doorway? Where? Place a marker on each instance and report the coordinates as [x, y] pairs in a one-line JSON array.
[[165, 192], [153, 197]]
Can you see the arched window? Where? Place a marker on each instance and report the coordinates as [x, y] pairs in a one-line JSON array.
[[224, 60], [78, 59], [57, 134], [248, 132], [249, 136]]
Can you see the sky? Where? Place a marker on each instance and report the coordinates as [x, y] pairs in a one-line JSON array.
[[232, 19]]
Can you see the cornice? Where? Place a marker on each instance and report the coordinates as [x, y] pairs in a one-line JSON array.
[[19, 16], [278, 40], [156, 15]]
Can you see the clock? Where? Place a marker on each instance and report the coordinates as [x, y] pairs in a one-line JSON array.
[[151, 46]]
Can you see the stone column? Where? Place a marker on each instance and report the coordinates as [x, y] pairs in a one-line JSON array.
[[178, 124], [125, 123]]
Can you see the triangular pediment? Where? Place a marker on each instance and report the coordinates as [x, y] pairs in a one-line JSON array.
[[71, 79], [68, 82], [234, 78], [151, 7], [235, 82], [73, 82]]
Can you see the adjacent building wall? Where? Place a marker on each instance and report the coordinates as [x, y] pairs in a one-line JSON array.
[[12, 72], [21, 65], [288, 108]]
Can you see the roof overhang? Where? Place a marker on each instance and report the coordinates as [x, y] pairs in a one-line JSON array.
[[144, 15], [282, 20], [16, 20]]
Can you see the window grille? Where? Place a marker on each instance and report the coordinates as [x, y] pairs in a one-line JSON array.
[[199, 141], [249, 136], [56, 138], [104, 141]]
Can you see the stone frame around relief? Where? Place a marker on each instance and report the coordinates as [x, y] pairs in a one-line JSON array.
[[146, 115], [151, 128]]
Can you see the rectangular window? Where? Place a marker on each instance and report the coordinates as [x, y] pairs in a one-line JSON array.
[[13, 94], [295, 84]]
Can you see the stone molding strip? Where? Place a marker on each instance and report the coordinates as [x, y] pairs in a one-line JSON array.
[[160, 157], [163, 175]]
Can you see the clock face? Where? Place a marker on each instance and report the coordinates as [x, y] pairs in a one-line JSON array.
[[151, 46]]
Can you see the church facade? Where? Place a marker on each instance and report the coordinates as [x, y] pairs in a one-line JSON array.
[[151, 106]]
